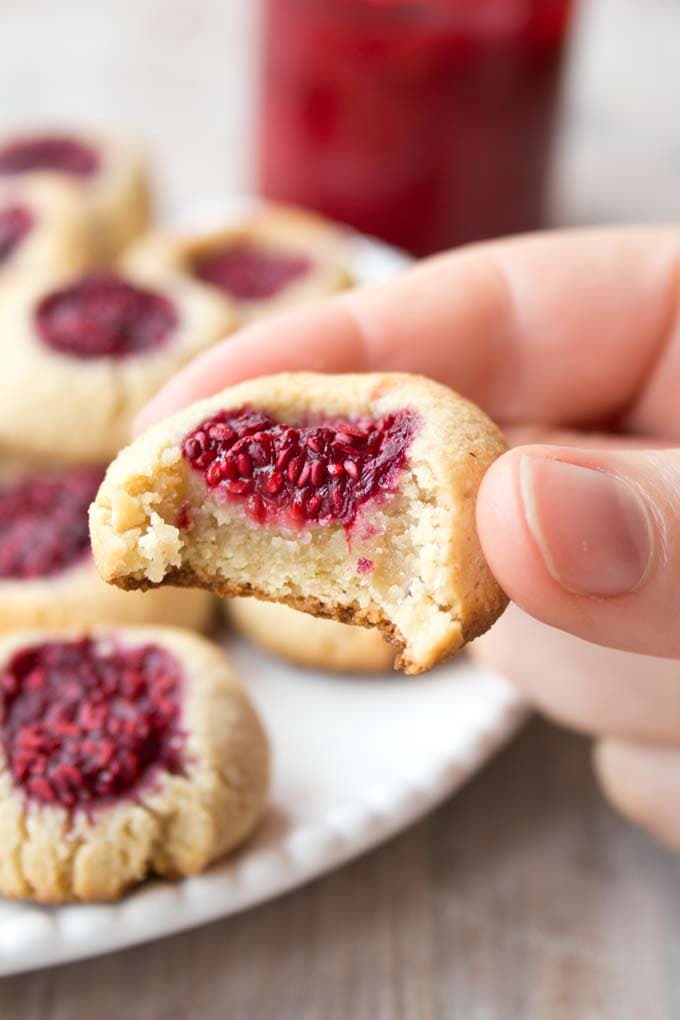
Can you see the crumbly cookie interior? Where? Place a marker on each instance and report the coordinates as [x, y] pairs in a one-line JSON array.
[[383, 573]]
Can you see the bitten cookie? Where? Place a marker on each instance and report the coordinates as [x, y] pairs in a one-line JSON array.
[[308, 641], [81, 358], [42, 228], [351, 497], [123, 752], [273, 259], [47, 574], [105, 172]]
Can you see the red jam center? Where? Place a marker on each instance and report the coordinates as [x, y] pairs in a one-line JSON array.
[[251, 273], [43, 522], [84, 721], [15, 223], [316, 474], [49, 152], [104, 316]]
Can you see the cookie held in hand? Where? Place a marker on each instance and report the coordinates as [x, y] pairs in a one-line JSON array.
[[123, 752], [350, 497]]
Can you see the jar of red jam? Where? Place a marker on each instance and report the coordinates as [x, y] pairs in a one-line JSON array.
[[427, 123]]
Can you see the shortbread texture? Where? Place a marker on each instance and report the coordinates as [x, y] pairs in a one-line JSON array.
[[310, 641], [176, 826], [54, 404], [429, 588], [279, 229]]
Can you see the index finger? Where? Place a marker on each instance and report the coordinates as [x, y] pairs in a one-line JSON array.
[[558, 329]]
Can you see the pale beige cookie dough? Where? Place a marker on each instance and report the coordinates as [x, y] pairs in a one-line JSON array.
[[172, 821], [411, 563], [273, 230], [55, 238], [310, 641], [56, 403], [114, 196]]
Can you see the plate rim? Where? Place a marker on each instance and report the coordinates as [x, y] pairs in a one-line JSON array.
[[27, 938]]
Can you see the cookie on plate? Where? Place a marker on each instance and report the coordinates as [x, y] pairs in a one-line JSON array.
[[82, 357], [350, 497], [42, 228], [309, 641], [105, 172], [47, 574], [275, 258], [123, 752]]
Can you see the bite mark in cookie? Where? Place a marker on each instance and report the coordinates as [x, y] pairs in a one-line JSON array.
[[372, 524], [103, 315], [85, 722], [317, 474]]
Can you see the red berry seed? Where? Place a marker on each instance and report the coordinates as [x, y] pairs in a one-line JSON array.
[[319, 474], [82, 723]]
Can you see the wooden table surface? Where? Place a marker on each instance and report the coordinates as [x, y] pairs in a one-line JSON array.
[[524, 896]]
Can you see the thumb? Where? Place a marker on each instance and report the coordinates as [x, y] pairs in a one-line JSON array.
[[589, 541]]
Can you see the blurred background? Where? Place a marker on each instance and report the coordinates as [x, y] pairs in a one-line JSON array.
[[184, 77], [526, 893]]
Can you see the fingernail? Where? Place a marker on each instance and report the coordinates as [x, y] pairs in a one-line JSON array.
[[592, 529]]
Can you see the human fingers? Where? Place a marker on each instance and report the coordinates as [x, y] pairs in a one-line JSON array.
[[589, 541], [555, 328], [595, 690], [644, 784]]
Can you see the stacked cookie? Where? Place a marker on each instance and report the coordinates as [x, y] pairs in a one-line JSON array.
[[84, 346], [87, 344], [111, 761]]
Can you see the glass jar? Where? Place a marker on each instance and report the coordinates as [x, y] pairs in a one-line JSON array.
[[427, 123]]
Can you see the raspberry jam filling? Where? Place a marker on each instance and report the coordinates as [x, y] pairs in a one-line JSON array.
[[104, 316], [49, 152], [43, 522], [315, 474], [86, 721], [251, 273], [15, 223]]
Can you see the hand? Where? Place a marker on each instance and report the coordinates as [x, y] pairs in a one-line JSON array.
[[577, 331]]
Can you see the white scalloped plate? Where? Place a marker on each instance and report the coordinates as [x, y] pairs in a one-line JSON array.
[[355, 761]]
